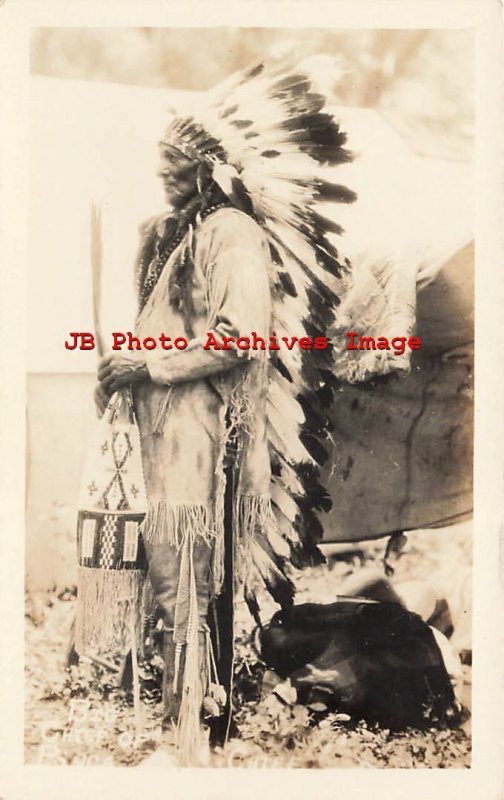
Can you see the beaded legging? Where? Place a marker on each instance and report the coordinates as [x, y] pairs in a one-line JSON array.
[[164, 573]]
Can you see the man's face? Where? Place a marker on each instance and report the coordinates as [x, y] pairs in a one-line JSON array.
[[178, 175]]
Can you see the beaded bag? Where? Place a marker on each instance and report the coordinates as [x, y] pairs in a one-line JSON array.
[[111, 554]]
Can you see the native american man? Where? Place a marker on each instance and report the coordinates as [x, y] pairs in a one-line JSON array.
[[202, 268], [231, 439]]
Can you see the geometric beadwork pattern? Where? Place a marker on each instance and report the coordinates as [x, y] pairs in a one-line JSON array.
[[113, 476], [88, 537], [114, 496], [131, 534], [110, 540]]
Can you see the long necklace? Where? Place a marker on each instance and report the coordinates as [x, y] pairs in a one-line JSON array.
[[165, 246], [163, 249]]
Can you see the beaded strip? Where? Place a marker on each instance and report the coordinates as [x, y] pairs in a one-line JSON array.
[[161, 256], [163, 253]]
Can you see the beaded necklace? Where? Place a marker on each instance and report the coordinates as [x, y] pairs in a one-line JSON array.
[[165, 246]]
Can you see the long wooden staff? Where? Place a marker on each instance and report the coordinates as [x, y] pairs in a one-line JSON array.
[[96, 279], [96, 273]]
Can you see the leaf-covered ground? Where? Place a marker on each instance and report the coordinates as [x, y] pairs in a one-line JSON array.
[[79, 715]]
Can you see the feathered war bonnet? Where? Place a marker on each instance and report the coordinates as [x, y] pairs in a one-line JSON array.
[[270, 142]]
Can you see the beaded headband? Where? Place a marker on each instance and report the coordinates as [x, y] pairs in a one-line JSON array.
[[192, 141]]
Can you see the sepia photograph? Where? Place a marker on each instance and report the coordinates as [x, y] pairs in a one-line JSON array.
[[249, 398]]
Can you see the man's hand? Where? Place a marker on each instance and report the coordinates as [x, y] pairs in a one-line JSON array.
[[117, 370]]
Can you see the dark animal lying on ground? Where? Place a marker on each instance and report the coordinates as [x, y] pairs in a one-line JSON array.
[[373, 660]]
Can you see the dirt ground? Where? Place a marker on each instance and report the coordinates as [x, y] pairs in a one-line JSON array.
[[78, 715]]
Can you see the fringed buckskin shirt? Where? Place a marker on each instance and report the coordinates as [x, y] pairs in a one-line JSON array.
[[197, 398]]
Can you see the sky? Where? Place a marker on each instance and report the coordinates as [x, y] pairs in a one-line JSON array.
[[421, 80]]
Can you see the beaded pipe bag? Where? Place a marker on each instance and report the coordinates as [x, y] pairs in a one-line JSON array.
[[112, 505], [111, 554]]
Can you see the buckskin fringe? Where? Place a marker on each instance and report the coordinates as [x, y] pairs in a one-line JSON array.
[[107, 601], [171, 524], [189, 732]]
